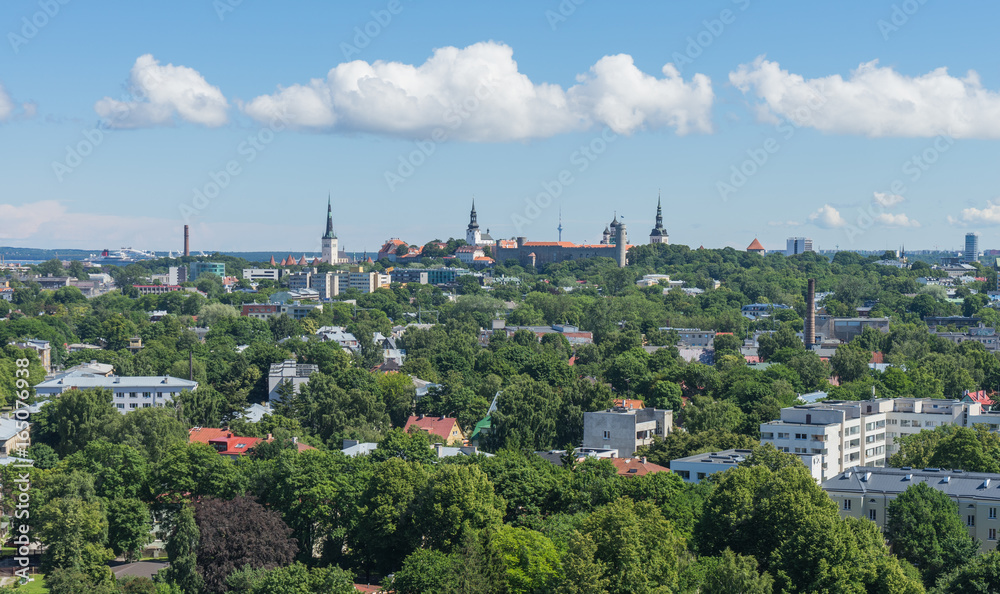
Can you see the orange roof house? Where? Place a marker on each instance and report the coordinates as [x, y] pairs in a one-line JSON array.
[[755, 247], [228, 444], [445, 427], [636, 466]]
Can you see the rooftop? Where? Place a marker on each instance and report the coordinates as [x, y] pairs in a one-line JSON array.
[[956, 483]]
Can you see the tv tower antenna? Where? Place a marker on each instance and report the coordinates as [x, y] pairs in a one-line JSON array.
[[560, 228]]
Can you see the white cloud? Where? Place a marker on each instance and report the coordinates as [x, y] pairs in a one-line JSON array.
[[9, 109], [477, 93], [784, 223], [886, 199], [896, 220], [827, 217], [161, 95], [988, 215], [874, 101]]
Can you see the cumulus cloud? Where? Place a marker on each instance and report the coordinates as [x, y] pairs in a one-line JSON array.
[[9, 109], [477, 94], [886, 199], [827, 217], [160, 95], [988, 215], [874, 101], [896, 220]]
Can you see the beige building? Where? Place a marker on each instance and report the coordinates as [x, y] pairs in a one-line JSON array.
[[866, 493], [863, 433]]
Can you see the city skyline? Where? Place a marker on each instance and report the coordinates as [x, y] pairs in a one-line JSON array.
[[744, 117]]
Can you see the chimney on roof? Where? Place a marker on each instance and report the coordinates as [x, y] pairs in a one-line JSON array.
[[269, 437], [643, 459]]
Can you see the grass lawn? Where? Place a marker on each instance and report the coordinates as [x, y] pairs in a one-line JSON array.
[[35, 587]]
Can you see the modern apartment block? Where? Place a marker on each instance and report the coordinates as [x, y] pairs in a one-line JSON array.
[[287, 371], [625, 430], [196, 269], [867, 492], [259, 274], [849, 434], [798, 245], [696, 468], [129, 392]]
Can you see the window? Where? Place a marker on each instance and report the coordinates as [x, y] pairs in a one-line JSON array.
[[120, 405], [607, 435], [970, 520], [145, 405], [872, 514], [847, 505], [147, 394], [993, 534], [684, 474], [800, 436], [767, 435], [782, 436], [133, 405], [993, 513], [701, 475]]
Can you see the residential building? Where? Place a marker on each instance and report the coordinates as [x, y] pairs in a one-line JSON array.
[[177, 275], [971, 253], [196, 269], [261, 311], [981, 334], [625, 430], [444, 427], [259, 274], [339, 335], [128, 392], [756, 311], [866, 493], [692, 337], [299, 280], [285, 372], [427, 276], [572, 333], [845, 329], [694, 469], [157, 289], [469, 253], [327, 284], [367, 282], [636, 466], [42, 347], [230, 445], [798, 245], [6, 293], [863, 433], [13, 439]]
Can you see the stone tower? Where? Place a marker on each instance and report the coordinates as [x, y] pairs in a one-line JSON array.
[[621, 243]]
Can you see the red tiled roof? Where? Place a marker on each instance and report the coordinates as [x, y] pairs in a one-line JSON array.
[[465, 249], [441, 426], [752, 358], [636, 466], [877, 358], [980, 397], [755, 245], [630, 404]]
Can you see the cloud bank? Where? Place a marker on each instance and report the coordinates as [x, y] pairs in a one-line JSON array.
[[874, 101]]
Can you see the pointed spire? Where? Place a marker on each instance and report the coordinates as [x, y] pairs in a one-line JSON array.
[[473, 223], [329, 219]]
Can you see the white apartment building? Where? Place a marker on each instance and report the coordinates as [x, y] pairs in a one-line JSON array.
[[129, 393], [696, 468], [259, 274], [367, 282], [849, 434]]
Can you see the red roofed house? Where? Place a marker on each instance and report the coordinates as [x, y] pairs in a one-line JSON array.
[[231, 445], [636, 466], [629, 404], [979, 397], [755, 247], [445, 427]]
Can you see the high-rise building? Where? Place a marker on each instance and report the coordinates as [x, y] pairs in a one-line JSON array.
[[659, 234], [331, 253], [971, 253], [798, 245]]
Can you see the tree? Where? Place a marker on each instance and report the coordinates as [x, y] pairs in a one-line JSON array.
[[531, 560], [637, 546], [850, 362], [211, 313], [971, 449], [263, 541], [981, 574], [75, 419], [129, 526], [74, 532], [119, 471], [525, 417], [583, 574], [294, 579], [152, 431], [727, 342], [182, 550], [734, 573], [924, 527], [705, 414], [456, 501], [191, 470], [425, 571]]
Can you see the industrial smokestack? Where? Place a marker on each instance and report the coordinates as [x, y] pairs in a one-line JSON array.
[[810, 329], [187, 242], [621, 241]]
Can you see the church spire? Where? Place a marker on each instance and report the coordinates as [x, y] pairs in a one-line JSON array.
[[329, 219], [472, 216]]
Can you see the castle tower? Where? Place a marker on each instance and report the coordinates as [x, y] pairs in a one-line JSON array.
[[329, 240], [659, 234], [472, 234], [621, 244]]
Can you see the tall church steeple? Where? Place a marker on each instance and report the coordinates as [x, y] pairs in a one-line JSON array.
[[659, 234], [330, 249], [472, 234]]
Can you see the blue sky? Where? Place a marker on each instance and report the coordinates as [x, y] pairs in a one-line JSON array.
[[857, 123]]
